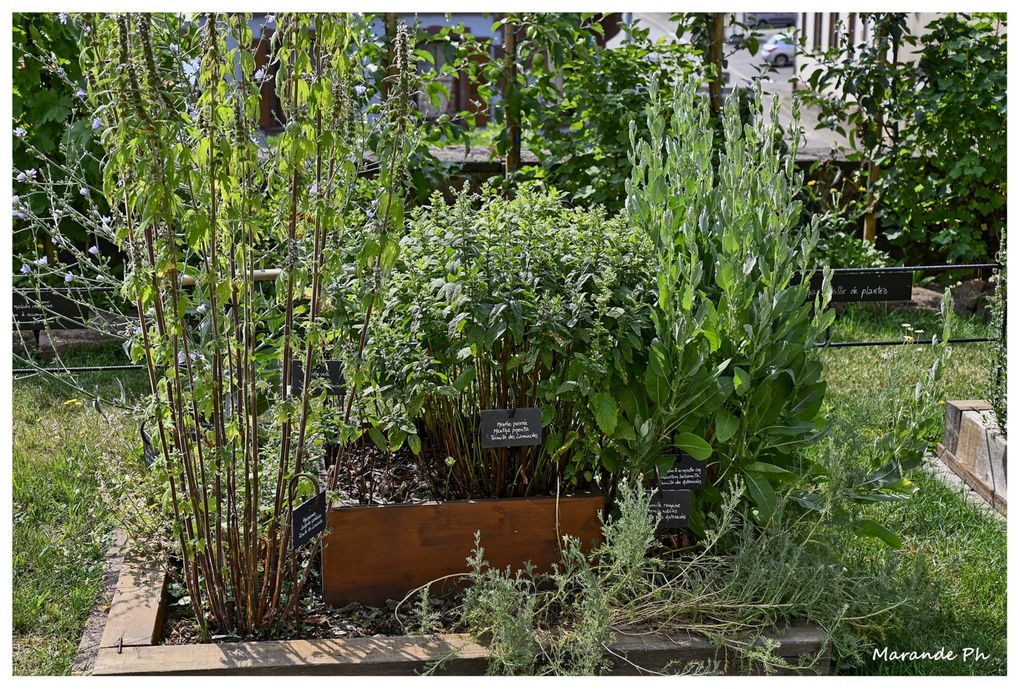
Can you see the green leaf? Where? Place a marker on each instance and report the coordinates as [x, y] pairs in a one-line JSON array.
[[605, 412], [693, 445], [741, 381], [872, 529], [378, 438], [726, 425], [763, 495]]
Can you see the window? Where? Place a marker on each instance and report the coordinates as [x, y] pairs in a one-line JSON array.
[[817, 42]]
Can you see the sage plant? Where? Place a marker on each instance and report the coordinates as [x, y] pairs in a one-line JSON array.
[[734, 375]]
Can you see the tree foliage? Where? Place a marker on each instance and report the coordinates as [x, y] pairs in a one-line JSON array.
[[930, 110]]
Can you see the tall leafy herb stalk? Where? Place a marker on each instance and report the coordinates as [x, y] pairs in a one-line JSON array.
[[733, 375], [198, 203], [998, 373], [506, 304]]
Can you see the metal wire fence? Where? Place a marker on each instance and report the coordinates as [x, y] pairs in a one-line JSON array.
[[849, 287]]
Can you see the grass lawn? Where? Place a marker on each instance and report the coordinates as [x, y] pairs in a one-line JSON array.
[[62, 451], [953, 562], [952, 565]]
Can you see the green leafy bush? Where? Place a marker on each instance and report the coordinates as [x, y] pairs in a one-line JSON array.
[[734, 376], [929, 110], [580, 130], [55, 153], [507, 304]]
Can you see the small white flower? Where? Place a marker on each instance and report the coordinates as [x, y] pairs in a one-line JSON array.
[[19, 132], [314, 189], [94, 250], [42, 261], [83, 191], [68, 277], [200, 308], [63, 17], [96, 124], [81, 94], [26, 269], [260, 74], [19, 214], [360, 89], [174, 48]]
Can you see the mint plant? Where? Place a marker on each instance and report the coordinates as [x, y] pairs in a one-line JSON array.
[[509, 304]]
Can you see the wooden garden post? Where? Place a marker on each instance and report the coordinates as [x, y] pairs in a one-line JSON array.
[[870, 217], [513, 103], [391, 69], [715, 45]]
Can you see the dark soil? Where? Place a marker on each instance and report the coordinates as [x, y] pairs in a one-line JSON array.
[[321, 621], [369, 476]]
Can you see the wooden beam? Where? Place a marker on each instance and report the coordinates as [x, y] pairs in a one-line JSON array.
[[406, 655], [715, 59], [138, 607]]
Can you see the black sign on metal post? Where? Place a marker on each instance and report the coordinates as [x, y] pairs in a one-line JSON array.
[[331, 371], [511, 427], [49, 307], [686, 473], [672, 508], [308, 519], [864, 286]]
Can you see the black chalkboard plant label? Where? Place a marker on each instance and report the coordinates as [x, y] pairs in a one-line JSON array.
[[309, 520], [672, 508], [686, 473], [511, 427], [52, 307], [862, 286], [330, 371]]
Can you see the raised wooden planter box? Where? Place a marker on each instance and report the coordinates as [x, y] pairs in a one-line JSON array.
[[975, 450], [139, 606], [375, 553]]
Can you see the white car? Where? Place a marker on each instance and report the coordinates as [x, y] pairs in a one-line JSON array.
[[779, 50]]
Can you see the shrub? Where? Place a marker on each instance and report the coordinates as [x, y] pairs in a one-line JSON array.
[[999, 374], [744, 583], [52, 127], [197, 201], [930, 111], [508, 304], [734, 376]]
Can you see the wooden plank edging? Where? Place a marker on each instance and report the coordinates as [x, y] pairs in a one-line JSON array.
[[408, 655], [971, 479], [138, 608]]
